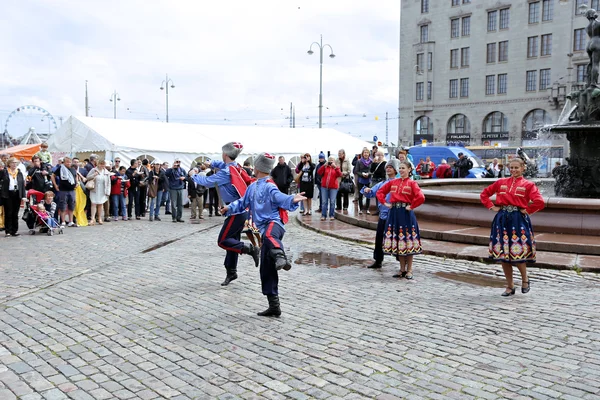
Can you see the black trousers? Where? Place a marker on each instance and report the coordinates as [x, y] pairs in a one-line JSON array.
[[339, 198], [213, 201], [378, 252], [12, 204], [229, 239], [143, 194], [134, 197], [269, 278]]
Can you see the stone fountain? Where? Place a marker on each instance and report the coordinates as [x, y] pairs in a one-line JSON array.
[[580, 121]]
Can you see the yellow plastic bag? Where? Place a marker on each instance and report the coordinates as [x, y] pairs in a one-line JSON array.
[[80, 201]]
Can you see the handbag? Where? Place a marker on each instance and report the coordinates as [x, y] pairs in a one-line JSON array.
[[347, 185], [91, 184]]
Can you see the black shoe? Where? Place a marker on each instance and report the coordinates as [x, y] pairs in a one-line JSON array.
[[274, 309], [230, 277], [511, 293], [168, 212], [253, 251], [137, 217], [174, 220], [180, 220], [403, 274], [210, 215], [525, 289], [15, 234], [375, 265], [157, 218], [281, 260]]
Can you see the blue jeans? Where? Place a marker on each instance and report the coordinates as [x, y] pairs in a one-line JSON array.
[[154, 208], [118, 200], [329, 196]]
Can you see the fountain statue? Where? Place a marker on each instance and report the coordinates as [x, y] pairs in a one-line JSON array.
[[581, 177]]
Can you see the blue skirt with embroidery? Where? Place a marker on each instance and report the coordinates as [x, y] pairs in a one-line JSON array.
[[512, 239], [401, 234]]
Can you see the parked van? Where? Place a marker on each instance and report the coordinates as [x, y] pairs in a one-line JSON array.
[[450, 154]]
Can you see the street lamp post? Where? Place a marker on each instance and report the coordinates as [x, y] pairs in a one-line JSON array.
[[165, 86], [114, 98], [310, 52]]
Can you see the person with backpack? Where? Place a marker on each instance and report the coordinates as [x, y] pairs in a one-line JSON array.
[[196, 196], [268, 207], [462, 166], [231, 181]]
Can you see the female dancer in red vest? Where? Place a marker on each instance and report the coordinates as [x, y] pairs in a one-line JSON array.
[[512, 241]]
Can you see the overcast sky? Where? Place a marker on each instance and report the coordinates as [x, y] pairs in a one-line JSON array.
[[232, 62]]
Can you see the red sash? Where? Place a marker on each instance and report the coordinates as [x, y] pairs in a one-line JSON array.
[[240, 179], [283, 214]]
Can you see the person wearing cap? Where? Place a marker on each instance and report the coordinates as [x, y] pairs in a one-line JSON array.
[[156, 182], [401, 231], [266, 204], [230, 180], [391, 169], [318, 179], [44, 154], [176, 177]]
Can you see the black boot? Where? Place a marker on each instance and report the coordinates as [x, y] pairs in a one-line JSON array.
[[281, 260], [273, 310], [231, 276], [254, 251], [375, 265]]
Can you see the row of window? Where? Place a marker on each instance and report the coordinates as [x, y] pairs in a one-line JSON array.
[[496, 84], [425, 4], [545, 49], [494, 122], [492, 19], [460, 26], [547, 8]]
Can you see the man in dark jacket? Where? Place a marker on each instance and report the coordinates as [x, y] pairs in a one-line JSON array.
[[39, 177], [176, 177], [462, 166], [282, 175], [318, 178], [133, 174]]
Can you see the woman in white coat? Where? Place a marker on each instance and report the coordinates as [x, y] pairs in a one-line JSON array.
[[101, 191]]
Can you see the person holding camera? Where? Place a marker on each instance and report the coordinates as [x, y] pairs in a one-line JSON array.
[[176, 177], [306, 169], [38, 177], [330, 174], [363, 171], [344, 165], [12, 191]]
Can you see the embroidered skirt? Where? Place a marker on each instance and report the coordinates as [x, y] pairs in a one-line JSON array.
[[401, 234], [512, 239]]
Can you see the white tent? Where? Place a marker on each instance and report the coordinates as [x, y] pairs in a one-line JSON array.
[[129, 139]]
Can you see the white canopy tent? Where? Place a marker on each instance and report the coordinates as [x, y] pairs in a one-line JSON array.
[[129, 139]]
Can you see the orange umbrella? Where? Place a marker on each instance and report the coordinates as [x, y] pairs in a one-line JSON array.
[[25, 151]]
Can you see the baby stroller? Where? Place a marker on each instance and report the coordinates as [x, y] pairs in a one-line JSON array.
[[36, 215]]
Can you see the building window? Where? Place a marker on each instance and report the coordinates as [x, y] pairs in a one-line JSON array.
[[429, 90], [455, 3], [424, 33], [453, 88], [503, 51], [466, 1], [534, 12], [459, 124], [423, 126], [455, 27], [548, 10], [502, 83], [581, 73], [504, 18], [579, 40], [419, 92], [490, 80], [429, 61], [465, 56], [491, 22], [533, 121], [546, 45], [490, 56], [595, 4], [544, 78], [464, 87], [454, 58], [532, 46], [531, 81], [420, 57], [424, 6], [495, 122], [466, 26]]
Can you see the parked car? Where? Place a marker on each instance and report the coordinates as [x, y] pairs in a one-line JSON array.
[[450, 154]]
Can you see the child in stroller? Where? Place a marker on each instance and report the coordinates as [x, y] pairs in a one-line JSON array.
[[42, 210]]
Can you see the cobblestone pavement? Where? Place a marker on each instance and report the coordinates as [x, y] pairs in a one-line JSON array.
[[89, 315]]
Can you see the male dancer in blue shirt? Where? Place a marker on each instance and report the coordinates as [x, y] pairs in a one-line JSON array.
[[391, 169], [267, 204], [229, 184]]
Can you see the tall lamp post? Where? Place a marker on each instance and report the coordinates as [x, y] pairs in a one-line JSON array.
[[165, 86], [310, 52], [114, 98]]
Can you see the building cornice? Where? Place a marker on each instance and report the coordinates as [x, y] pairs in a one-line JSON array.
[[479, 103]]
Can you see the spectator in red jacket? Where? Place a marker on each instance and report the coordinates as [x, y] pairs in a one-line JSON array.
[[330, 173], [443, 170], [118, 192]]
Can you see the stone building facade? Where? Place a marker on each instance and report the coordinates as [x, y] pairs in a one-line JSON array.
[[486, 72]]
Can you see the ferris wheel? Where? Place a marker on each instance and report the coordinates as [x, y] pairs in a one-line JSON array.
[[30, 120]]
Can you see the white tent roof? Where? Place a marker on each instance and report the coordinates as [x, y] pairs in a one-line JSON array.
[[126, 138]]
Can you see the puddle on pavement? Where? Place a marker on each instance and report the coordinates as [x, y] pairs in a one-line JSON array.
[[328, 260], [473, 279]]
